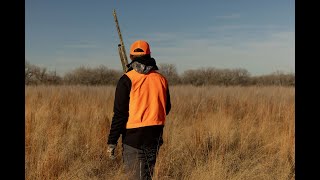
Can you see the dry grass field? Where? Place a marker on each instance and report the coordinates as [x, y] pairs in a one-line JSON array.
[[212, 132]]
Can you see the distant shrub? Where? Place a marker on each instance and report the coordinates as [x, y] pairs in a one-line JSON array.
[[170, 72], [213, 76], [92, 76], [102, 75]]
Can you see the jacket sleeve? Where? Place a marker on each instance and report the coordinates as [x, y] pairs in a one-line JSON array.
[[168, 104], [120, 109]]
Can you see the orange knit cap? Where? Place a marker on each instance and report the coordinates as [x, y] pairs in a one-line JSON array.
[[140, 47]]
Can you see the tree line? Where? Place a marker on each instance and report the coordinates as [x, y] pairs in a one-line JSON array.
[[102, 75]]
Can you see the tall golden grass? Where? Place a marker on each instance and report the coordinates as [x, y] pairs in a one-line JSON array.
[[211, 133]]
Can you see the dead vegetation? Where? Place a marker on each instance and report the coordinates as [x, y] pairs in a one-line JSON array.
[[212, 132]]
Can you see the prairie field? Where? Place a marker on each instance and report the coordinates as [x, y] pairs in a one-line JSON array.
[[212, 132]]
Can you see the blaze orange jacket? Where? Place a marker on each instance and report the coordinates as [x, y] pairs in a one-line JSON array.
[[147, 105], [141, 104]]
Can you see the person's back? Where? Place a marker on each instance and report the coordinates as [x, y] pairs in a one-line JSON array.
[[147, 99], [142, 101]]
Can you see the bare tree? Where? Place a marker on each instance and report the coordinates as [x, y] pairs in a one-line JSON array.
[[101, 75], [92, 76], [28, 72], [34, 74], [213, 76], [53, 79], [170, 72], [277, 78], [194, 77]]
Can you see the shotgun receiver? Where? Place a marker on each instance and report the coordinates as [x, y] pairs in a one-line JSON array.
[[121, 48]]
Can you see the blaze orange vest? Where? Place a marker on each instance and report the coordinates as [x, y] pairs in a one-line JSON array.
[[147, 105]]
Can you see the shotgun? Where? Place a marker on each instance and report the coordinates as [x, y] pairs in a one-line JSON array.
[[121, 48]]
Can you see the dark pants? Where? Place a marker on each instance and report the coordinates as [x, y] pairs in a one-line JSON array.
[[139, 163]]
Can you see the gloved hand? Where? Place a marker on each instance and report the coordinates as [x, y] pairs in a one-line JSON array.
[[110, 150]]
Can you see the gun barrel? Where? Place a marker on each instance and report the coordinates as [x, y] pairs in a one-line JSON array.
[[124, 67], [121, 48]]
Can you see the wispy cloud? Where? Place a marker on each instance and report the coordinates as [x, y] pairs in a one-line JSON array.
[[243, 28], [259, 49], [229, 16], [84, 45], [66, 61], [268, 52]]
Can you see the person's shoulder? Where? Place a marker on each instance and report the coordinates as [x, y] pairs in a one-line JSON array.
[[124, 78], [157, 73]]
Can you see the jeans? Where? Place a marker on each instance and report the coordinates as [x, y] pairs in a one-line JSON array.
[[139, 163]]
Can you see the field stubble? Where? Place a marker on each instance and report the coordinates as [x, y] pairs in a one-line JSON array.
[[211, 133]]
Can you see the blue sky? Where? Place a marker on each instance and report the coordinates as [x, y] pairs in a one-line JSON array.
[[257, 35]]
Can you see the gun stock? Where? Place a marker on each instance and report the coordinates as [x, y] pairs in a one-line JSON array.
[[121, 48]]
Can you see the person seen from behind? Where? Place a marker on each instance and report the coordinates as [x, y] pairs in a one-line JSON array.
[[142, 102]]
